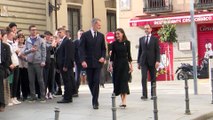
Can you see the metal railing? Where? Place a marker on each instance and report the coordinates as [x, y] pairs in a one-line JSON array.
[[157, 6], [203, 4]]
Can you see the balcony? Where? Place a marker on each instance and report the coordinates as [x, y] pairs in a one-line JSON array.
[[75, 1], [203, 4], [157, 6], [110, 3]]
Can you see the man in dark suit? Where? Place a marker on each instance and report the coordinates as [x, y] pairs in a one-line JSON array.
[[64, 59], [78, 66], [92, 51], [5, 62], [148, 59]]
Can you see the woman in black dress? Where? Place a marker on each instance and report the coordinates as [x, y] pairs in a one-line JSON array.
[[121, 65]]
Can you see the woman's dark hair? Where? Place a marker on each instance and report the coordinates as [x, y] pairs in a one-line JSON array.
[[8, 30], [3, 32], [20, 36], [122, 31]]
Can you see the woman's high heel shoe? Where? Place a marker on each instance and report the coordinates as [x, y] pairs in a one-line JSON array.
[[122, 106]]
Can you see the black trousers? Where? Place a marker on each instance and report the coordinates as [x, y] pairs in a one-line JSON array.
[[23, 84], [152, 72], [57, 81], [77, 77], [15, 82], [93, 78], [2, 71], [49, 76], [68, 79]]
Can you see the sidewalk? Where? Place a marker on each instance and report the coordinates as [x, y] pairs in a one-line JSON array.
[[171, 104]]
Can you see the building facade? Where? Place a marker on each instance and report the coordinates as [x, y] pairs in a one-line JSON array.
[[24, 13], [134, 14], [77, 14]]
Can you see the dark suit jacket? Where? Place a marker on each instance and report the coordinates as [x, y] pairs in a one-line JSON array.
[[91, 49], [5, 58], [65, 54], [149, 54], [5, 55], [77, 58]]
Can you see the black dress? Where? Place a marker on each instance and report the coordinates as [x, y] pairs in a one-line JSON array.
[[121, 57]]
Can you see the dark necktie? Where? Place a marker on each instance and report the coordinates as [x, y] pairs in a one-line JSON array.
[[95, 34], [147, 40]]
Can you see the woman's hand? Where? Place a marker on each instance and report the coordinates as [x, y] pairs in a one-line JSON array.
[[130, 68]]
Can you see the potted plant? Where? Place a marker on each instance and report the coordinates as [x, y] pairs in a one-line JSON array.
[[167, 34]]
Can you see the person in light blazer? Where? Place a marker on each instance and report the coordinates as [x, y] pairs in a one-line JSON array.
[[35, 52]]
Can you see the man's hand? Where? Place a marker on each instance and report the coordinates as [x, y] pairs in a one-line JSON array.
[[42, 64], [34, 48], [139, 67], [65, 69], [84, 64], [130, 68], [12, 66], [101, 60], [110, 69], [157, 65]]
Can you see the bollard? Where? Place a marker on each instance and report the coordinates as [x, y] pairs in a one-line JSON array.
[[155, 101], [212, 83], [187, 111], [211, 73], [113, 107], [57, 113]]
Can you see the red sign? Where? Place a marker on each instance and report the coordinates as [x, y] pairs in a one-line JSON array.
[[110, 37], [205, 40], [175, 20], [165, 69]]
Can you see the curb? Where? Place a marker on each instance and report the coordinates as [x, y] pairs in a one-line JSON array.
[[205, 116]]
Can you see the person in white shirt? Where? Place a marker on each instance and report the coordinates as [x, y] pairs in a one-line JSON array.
[[14, 66]]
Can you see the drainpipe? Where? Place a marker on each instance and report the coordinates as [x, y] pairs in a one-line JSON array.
[[56, 16], [93, 9]]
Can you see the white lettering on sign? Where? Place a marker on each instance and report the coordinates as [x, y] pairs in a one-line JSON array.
[[206, 28], [183, 20]]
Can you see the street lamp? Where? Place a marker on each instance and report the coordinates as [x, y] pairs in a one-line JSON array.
[[55, 8]]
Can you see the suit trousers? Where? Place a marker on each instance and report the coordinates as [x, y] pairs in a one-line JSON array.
[[93, 78], [36, 71], [24, 83], [77, 77], [152, 72], [49, 76], [68, 79], [2, 100]]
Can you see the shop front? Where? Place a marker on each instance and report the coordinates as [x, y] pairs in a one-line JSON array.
[[204, 25]]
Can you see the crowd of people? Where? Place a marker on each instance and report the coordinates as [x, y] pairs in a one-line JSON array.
[[32, 67]]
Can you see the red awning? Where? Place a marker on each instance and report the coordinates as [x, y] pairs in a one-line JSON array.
[[181, 19]]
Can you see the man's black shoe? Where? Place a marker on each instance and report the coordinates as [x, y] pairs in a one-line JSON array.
[[143, 98], [95, 107], [75, 95], [152, 98], [64, 101]]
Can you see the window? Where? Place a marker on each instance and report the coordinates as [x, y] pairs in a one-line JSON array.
[[205, 1], [156, 3], [74, 21], [111, 21]]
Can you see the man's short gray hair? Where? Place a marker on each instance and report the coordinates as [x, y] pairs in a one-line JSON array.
[[95, 20]]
